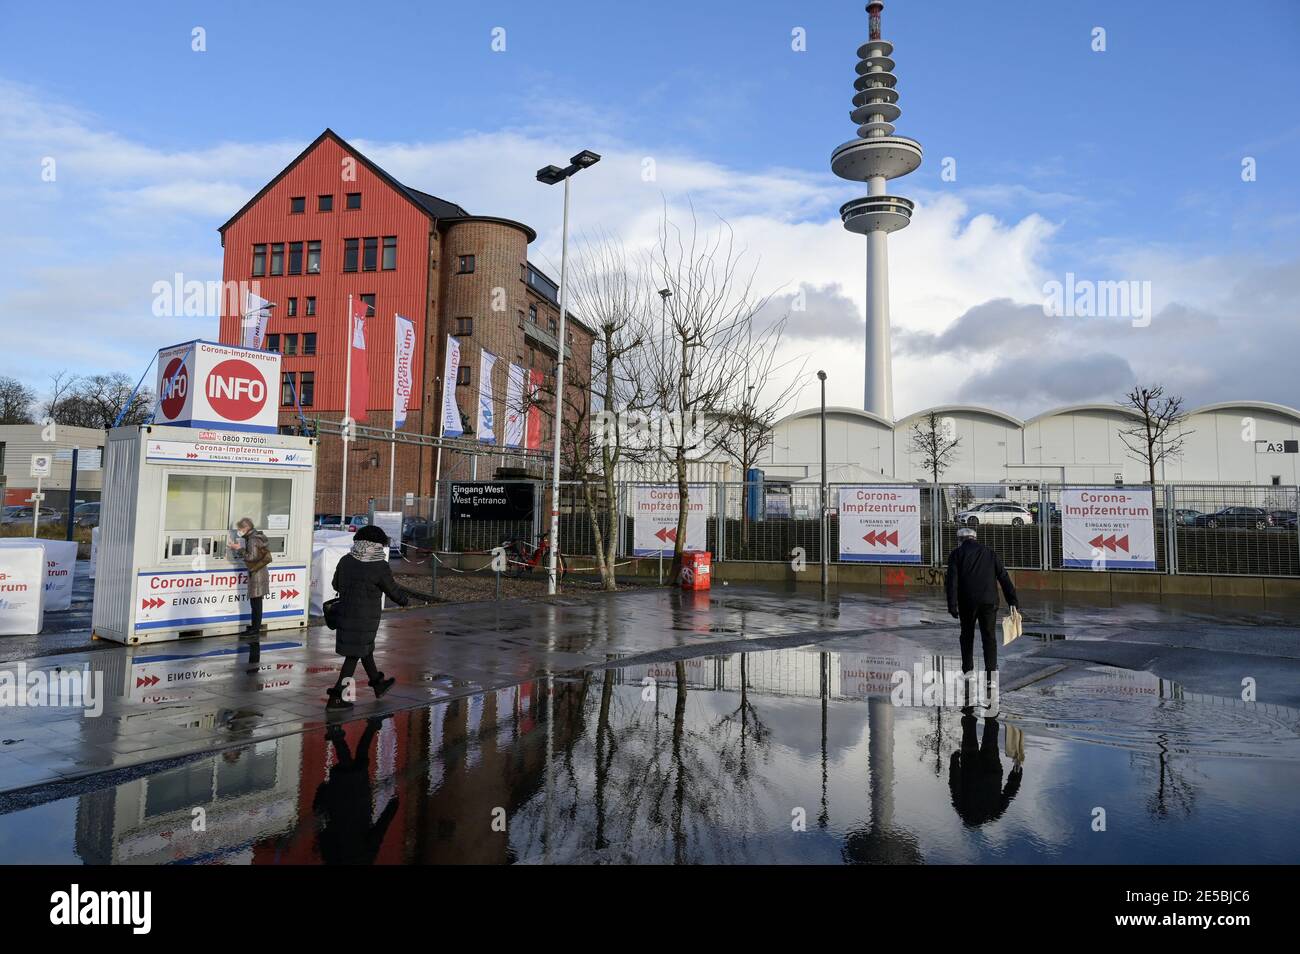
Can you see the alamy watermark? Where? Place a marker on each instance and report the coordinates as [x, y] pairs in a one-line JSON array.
[[55, 689], [1085, 298]]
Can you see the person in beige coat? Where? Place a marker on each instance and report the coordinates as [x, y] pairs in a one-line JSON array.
[[254, 550]]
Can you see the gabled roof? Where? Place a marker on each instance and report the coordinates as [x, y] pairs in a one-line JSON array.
[[431, 205]]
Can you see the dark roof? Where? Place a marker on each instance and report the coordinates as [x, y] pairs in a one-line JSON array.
[[438, 208], [433, 206]]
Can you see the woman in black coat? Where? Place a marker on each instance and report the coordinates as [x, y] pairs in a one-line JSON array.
[[361, 579]]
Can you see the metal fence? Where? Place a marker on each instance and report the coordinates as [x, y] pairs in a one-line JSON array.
[[1221, 529]]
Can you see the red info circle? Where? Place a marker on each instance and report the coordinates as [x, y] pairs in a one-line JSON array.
[[236, 390], [174, 390]]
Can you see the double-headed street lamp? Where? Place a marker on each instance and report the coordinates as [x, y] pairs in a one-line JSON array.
[[552, 175], [825, 522]]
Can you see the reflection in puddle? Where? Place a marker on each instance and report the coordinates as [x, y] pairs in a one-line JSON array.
[[777, 756]]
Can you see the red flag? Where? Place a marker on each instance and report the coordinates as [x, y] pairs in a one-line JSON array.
[[357, 355], [533, 433]]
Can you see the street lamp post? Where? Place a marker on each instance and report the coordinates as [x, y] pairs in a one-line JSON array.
[[825, 529], [551, 175]]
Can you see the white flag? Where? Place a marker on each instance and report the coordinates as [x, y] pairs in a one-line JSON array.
[[451, 426], [403, 353], [486, 426], [257, 311], [515, 407]]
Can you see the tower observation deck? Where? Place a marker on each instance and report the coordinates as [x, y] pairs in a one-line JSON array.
[[875, 157]]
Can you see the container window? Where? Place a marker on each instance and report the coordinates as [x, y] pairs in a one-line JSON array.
[[267, 502], [197, 502]]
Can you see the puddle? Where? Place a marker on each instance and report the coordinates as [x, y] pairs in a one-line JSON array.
[[782, 756]]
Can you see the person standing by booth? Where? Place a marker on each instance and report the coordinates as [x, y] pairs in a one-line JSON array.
[[362, 579], [256, 554]]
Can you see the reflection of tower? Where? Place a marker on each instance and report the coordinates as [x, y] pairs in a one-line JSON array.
[[874, 157]]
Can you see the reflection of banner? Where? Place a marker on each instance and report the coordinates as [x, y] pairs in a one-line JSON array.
[[486, 426], [403, 355], [533, 438], [1111, 528], [451, 426], [515, 406], [880, 524], [654, 519]]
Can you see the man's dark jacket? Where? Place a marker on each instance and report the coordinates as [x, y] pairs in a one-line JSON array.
[[974, 573]]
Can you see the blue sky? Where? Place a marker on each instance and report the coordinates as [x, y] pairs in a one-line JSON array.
[[1123, 163]]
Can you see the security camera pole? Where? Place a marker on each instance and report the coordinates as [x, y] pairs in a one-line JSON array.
[[551, 175]]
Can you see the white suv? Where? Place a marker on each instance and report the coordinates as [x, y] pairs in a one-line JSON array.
[[1001, 513]]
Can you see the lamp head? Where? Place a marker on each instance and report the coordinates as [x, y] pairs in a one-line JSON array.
[[585, 159], [550, 175]]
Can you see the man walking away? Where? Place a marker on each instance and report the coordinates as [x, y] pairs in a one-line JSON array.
[[974, 574]]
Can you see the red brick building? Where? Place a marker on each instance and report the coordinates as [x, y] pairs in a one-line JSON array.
[[334, 224]]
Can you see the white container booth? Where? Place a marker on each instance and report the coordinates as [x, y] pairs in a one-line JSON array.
[[175, 489], [166, 568]]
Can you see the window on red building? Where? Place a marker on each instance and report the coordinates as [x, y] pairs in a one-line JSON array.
[[307, 388], [277, 258], [298, 205], [311, 305], [354, 200], [324, 203], [370, 254], [293, 308], [259, 261], [295, 258], [390, 252], [309, 343], [290, 344], [272, 342], [286, 389], [350, 249], [370, 305], [313, 258]]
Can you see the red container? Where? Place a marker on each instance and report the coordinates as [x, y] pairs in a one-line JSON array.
[[697, 570]]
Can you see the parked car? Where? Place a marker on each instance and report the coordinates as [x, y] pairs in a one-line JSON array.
[[1251, 518], [86, 515], [24, 515], [998, 513], [1183, 516], [1283, 518]]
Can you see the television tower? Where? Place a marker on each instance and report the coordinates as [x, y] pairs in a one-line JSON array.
[[876, 156]]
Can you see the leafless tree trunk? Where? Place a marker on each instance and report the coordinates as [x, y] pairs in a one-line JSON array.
[[710, 308], [1158, 435], [936, 446]]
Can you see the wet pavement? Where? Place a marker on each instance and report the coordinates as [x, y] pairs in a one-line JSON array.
[[748, 724]]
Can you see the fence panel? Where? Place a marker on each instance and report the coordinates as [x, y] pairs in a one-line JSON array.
[[1236, 530]]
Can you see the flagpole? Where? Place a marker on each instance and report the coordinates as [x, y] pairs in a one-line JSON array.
[[347, 416], [392, 453]]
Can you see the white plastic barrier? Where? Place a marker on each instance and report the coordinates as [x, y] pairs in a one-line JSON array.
[[22, 588], [328, 547], [60, 569]]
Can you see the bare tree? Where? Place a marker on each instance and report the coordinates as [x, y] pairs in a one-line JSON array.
[[611, 292], [758, 398], [16, 400], [61, 384], [96, 401], [1158, 433], [709, 311], [935, 444]]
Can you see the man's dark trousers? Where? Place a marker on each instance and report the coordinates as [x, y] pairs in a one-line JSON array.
[[986, 615]]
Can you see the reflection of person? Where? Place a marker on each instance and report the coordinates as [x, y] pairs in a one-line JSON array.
[[975, 775], [254, 550], [347, 835], [974, 574], [361, 579]]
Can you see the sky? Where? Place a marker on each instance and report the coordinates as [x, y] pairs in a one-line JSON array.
[[1083, 141]]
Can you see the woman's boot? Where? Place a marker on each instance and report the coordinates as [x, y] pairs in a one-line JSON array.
[[336, 700], [382, 685]]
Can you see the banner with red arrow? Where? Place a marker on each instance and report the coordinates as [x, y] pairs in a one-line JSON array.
[[1108, 528], [217, 598], [880, 523], [654, 518]]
